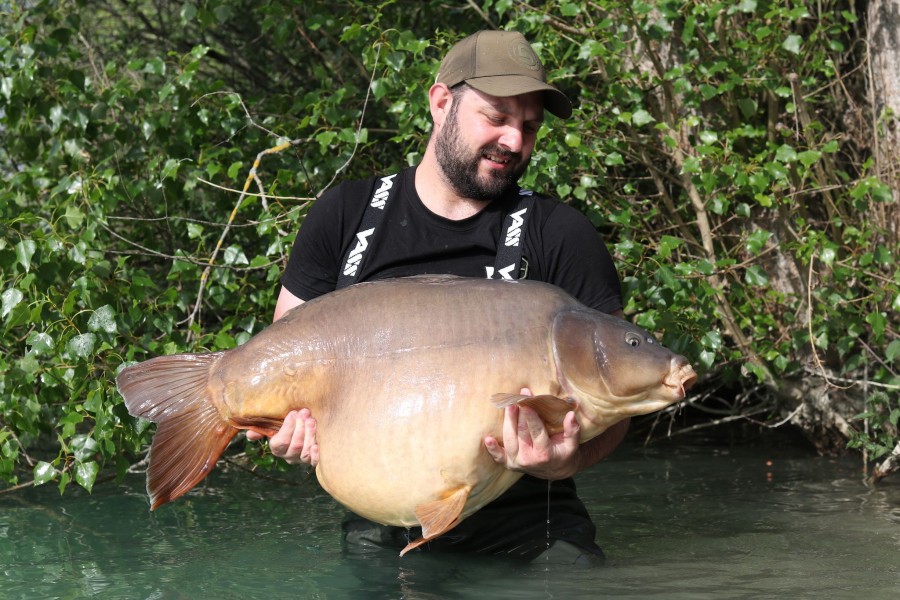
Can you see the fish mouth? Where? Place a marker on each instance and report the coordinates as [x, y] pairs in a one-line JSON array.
[[681, 377]]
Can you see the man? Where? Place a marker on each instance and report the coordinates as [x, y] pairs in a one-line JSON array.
[[448, 215]]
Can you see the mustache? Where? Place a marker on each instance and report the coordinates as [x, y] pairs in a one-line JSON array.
[[502, 153]]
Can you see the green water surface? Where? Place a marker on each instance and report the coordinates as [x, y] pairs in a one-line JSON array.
[[681, 519]]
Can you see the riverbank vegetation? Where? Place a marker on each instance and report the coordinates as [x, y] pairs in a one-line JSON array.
[[741, 160]]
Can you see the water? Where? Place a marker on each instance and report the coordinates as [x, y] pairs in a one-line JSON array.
[[692, 519]]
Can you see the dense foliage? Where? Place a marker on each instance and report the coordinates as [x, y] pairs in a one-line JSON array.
[[722, 149]]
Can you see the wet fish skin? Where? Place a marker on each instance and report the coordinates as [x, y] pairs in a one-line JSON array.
[[405, 378]]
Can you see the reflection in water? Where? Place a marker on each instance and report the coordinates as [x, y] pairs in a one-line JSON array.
[[691, 520]]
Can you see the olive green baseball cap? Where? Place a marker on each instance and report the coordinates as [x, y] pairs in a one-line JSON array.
[[501, 63]]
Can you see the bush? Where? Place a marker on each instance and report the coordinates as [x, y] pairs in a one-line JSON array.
[[720, 149]]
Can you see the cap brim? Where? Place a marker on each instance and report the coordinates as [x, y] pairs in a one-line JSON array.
[[513, 85]]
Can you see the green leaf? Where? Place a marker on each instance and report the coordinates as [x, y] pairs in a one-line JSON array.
[[235, 169], [792, 44], [809, 157], [64, 480], [74, 216], [878, 321], [44, 472], [691, 165], [756, 276], [40, 342], [24, 252], [86, 474], [748, 107], [82, 346], [103, 319], [642, 117], [8, 300], [667, 244], [195, 231], [893, 350], [757, 240], [785, 154], [712, 340], [613, 158]]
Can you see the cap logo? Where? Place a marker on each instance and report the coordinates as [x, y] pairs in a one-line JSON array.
[[523, 54]]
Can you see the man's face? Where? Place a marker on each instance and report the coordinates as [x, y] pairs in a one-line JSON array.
[[486, 142]]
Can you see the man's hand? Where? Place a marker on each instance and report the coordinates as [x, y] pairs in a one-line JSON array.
[[528, 447], [295, 442]]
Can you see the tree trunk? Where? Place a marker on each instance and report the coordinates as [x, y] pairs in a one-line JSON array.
[[884, 57]]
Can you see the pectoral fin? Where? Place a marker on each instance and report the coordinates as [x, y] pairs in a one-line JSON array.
[[551, 409], [440, 516], [263, 425]]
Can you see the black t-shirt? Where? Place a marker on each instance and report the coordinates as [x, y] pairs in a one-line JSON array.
[[560, 247]]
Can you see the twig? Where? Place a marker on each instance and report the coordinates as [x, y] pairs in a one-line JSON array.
[[193, 261], [852, 382], [260, 195], [809, 327]]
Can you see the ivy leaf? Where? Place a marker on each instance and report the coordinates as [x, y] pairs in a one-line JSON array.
[[613, 158], [667, 244], [785, 154], [757, 240], [641, 117], [878, 321], [756, 277], [792, 44], [809, 157]]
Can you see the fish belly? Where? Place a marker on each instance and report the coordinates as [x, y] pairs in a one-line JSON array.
[[413, 437]]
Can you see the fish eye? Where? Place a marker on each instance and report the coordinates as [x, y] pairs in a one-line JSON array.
[[632, 339]]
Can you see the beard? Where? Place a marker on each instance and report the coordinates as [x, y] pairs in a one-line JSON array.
[[460, 166]]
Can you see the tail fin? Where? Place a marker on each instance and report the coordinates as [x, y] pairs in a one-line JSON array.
[[191, 434]]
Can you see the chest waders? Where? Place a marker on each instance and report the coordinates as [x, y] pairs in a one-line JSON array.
[[507, 265]]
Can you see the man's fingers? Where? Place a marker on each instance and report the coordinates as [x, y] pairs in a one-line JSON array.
[[281, 441], [495, 450], [571, 428], [531, 428], [308, 440], [511, 430]]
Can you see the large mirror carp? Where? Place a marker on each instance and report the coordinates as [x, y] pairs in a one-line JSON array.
[[405, 378]]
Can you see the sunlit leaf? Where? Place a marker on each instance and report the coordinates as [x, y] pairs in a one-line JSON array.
[[44, 472], [86, 474], [24, 252], [9, 300]]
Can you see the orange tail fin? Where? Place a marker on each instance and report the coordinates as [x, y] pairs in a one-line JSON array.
[[191, 434]]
